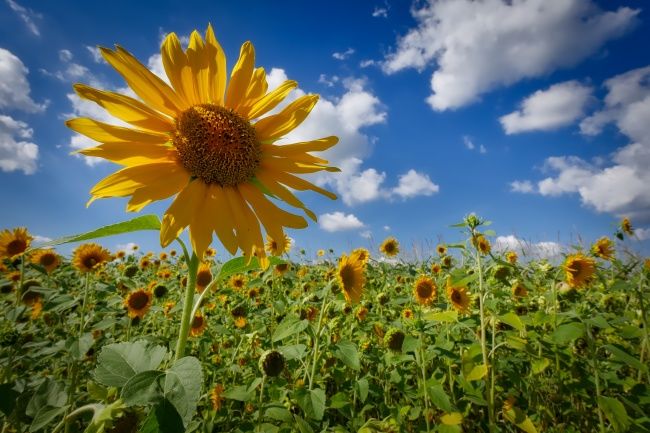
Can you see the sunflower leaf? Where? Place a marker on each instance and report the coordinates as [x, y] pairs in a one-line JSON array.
[[119, 362]]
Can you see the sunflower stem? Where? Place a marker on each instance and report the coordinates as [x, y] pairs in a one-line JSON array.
[[259, 409], [644, 320], [317, 338], [186, 318]]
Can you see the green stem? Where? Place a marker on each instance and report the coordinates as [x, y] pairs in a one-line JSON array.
[[483, 337], [317, 338], [259, 409], [82, 312], [19, 290], [186, 318], [594, 364], [644, 320]]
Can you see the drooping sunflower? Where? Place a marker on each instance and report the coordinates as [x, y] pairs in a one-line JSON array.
[[458, 297], [13, 243], [351, 277], [89, 257], [579, 270], [47, 259], [203, 277], [603, 248], [205, 142], [198, 325], [277, 247], [138, 303], [390, 247], [424, 290], [512, 257]]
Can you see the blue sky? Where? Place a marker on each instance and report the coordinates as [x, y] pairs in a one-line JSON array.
[[533, 114]]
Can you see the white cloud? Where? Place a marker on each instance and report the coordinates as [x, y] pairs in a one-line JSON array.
[[65, 55], [14, 87], [356, 185], [26, 15], [17, 152], [523, 186], [338, 221], [328, 81], [367, 63], [469, 144], [344, 54], [559, 105], [413, 184], [366, 234], [41, 239], [480, 45], [95, 54], [641, 234], [387, 228], [535, 250], [128, 248], [380, 12]]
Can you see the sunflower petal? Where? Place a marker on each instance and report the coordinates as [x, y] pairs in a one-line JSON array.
[[288, 165], [127, 109], [125, 181], [283, 193], [270, 210], [176, 67], [300, 184], [241, 76], [269, 101], [216, 67], [151, 89], [273, 127], [180, 212], [131, 153], [223, 220], [199, 66], [167, 186], [201, 225], [105, 133], [249, 234], [258, 85], [319, 145]]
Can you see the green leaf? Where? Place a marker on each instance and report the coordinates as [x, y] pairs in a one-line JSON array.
[[143, 222], [119, 362], [519, 418], [44, 416], [295, 351], [317, 396], [278, 414], [615, 413], [50, 394], [339, 400], [513, 320], [8, 398], [77, 347], [239, 393], [362, 384], [443, 316], [477, 373], [240, 265], [163, 418], [440, 398], [182, 386], [568, 332], [302, 425], [346, 351], [104, 415], [622, 356], [143, 388], [289, 326], [539, 365]]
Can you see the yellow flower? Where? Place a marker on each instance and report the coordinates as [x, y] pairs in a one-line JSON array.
[[626, 226], [441, 249], [145, 262], [603, 248], [88, 257], [361, 313], [48, 259], [481, 243], [138, 303], [519, 290], [162, 255], [320, 253], [424, 290], [237, 281], [203, 277], [350, 275], [281, 268], [407, 313], [37, 307], [14, 243], [277, 248], [240, 322], [579, 270], [165, 273], [362, 254], [512, 257], [210, 252], [206, 143], [390, 247], [458, 297], [120, 254], [198, 325], [216, 396], [435, 268], [168, 307]]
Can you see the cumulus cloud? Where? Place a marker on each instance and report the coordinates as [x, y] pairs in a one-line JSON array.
[[343, 54], [559, 105], [380, 12], [469, 144], [338, 221], [641, 234], [17, 152], [523, 186], [413, 184], [95, 54], [14, 87], [524, 248], [27, 16], [128, 248], [480, 45]]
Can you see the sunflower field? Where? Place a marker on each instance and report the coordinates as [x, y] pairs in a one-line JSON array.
[[468, 340]]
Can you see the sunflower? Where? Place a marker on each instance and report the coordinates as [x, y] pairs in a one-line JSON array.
[[37, 308], [138, 303], [446, 262], [441, 249], [198, 325], [435, 268], [579, 269], [407, 313], [626, 226], [519, 290], [390, 247], [320, 253], [162, 255], [603, 248], [350, 275], [203, 277], [145, 262], [282, 268], [362, 254], [277, 248], [164, 273], [511, 257], [361, 313], [168, 307], [210, 252], [206, 143], [120, 254], [237, 281], [424, 290], [458, 297], [14, 243], [481, 243], [240, 322], [172, 253], [89, 257], [47, 259], [216, 396]]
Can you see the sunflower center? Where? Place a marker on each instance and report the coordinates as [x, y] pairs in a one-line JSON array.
[[48, 259], [456, 297], [138, 300], [90, 262], [197, 322], [217, 145], [424, 290], [347, 276], [16, 246]]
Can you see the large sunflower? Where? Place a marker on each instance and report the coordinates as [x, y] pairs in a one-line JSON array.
[[579, 270], [89, 257], [48, 259], [351, 277], [424, 290], [206, 143], [603, 248], [459, 298], [14, 243]]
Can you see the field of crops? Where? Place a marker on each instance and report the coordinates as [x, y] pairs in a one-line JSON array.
[[468, 340]]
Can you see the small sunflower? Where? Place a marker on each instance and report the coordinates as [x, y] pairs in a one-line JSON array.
[[350, 275], [424, 290], [282, 268], [13, 243], [458, 297], [626, 226], [120, 254], [237, 281], [446, 262], [138, 303], [361, 313], [216, 396], [362, 254], [209, 144], [203, 277], [441, 249], [603, 248], [436, 268], [145, 262], [511, 257], [394, 339], [198, 325], [579, 270], [320, 253], [407, 313], [164, 273], [134, 247], [277, 248], [390, 247], [481, 243], [162, 255], [519, 290], [240, 322], [89, 257], [172, 253], [210, 252], [48, 259], [168, 307]]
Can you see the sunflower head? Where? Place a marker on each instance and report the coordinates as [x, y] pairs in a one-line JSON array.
[[481, 243], [424, 290], [160, 291], [282, 268], [389, 247], [209, 144], [47, 259], [361, 313], [394, 339], [626, 226], [362, 253], [89, 257], [277, 247], [320, 253], [579, 270], [603, 248], [238, 281], [203, 276], [436, 268], [511, 257], [216, 396], [15, 242], [272, 363], [210, 252], [198, 325], [162, 255], [351, 277], [441, 249], [138, 303], [446, 262], [458, 297], [519, 290], [407, 313]]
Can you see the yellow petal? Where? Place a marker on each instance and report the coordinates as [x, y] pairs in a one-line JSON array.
[[300, 184], [105, 133], [216, 67], [180, 213], [305, 146], [288, 165], [269, 212], [223, 219], [302, 158], [151, 89], [283, 193], [249, 234], [125, 181], [167, 186], [131, 153], [269, 101], [127, 109], [198, 62], [176, 67], [240, 76], [201, 225], [258, 85], [273, 127]]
